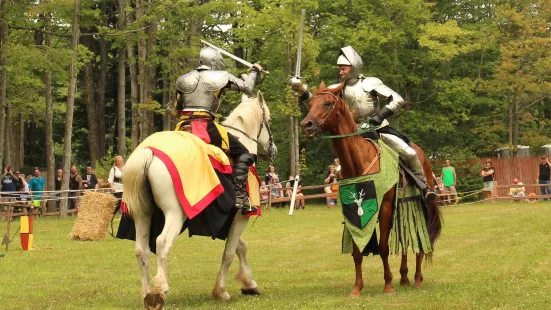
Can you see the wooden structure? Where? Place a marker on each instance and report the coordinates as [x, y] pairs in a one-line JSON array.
[[271, 200]]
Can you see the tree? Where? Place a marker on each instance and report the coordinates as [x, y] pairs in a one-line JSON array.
[[70, 108]]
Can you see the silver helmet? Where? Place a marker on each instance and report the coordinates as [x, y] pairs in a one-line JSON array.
[[211, 58], [350, 57]]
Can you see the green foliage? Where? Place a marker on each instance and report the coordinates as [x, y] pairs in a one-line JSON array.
[[460, 65]]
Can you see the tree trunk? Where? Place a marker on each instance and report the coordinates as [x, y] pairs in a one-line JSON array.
[[510, 121], [292, 159], [100, 97], [142, 75], [121, 131], [7, 138], [166, 99], [21, 141], [515, 120], [64, 207], [50, 159], [296, 146], [3, 73], [134, 87], [93, 140]]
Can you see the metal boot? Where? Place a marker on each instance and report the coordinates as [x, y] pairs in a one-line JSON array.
[[241, 173]]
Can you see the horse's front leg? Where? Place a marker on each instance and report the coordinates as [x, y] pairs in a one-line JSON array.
[[239, 223], [418, 273], [142, 224], [385, 225], [358, 259], [404, 280], [245, 274]]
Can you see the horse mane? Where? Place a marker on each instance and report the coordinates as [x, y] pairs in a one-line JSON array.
[[250, 113]]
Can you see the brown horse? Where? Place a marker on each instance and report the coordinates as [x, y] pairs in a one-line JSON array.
[[329, 112]]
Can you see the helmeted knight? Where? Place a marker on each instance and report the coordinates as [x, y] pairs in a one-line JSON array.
[[362, 95], [197, 100]]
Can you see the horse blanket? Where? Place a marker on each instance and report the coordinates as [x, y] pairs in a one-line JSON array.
[[360, 199], [202, 178]]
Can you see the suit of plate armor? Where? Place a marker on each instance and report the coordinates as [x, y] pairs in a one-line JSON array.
[[198, 99], [362, 95]]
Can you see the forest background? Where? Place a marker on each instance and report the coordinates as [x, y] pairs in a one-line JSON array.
[[476, 74]]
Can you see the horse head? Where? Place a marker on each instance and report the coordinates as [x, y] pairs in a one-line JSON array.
[[250, 121], [325, 107]]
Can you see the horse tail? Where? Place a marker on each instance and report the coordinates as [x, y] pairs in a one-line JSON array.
[[434, 216], [135, 193]]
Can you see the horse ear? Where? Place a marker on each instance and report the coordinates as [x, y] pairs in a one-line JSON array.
[[260, 96], [322, 85], [244, 98]]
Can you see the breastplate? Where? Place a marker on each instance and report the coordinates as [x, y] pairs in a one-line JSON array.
[[361, 103], [201, 89]]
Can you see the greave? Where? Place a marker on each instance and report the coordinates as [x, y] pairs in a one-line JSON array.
[[241, 173]]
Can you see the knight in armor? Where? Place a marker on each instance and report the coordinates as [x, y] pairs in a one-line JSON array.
[[197, 100], [363, 95]]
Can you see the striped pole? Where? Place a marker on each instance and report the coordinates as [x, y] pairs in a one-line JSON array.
[[26, 232]]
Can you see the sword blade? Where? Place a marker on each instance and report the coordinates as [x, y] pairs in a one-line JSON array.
[[232, 56], [299, 49]]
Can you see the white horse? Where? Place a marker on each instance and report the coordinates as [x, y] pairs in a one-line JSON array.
[[250, 122]]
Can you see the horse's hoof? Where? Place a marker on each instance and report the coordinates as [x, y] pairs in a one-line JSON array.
[[250, 291], [355, 294], [418, 285], [154, 301], [224, 296], [405, 282], [389, 290]]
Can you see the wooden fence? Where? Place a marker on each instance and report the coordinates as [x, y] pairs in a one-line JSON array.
[[523, 168]]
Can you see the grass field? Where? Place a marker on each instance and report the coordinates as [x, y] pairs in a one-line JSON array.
[[488, 257]]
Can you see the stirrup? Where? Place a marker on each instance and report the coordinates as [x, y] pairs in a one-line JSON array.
[[246, 209], [429, 196]]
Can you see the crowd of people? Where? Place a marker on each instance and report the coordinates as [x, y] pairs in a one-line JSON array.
[[446, 182], [30, 189]]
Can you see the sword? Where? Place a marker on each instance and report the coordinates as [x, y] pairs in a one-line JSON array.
[[232, 56], [296, 80], [299, 49]]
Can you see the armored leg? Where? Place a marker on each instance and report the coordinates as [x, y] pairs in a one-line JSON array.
[[408, 154], [241, 173]]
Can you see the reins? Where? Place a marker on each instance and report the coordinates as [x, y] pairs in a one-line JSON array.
[[359, 132], [270, 150]]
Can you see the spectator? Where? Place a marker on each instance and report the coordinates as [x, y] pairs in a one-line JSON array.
[[330, 178], [277, 192], [9, 184], [90, 181], [337, 165], [75, 185], [36, 187], [263, 191], [544, 177], [115, 180], [449, 179], [517, 191], [270, 175], [58, 179], [487, 174]]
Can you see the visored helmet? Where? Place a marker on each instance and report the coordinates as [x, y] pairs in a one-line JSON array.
[[211, 58], [350, 57]]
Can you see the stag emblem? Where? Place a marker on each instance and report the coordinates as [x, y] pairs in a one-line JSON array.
[[358, 201]]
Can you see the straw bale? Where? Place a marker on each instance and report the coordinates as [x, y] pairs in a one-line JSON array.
[[94, 215]]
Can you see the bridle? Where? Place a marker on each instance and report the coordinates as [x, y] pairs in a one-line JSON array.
[[377, 154], [270, 152], [320, 124]]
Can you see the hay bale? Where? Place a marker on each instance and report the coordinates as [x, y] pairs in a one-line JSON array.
[[94, 215]]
